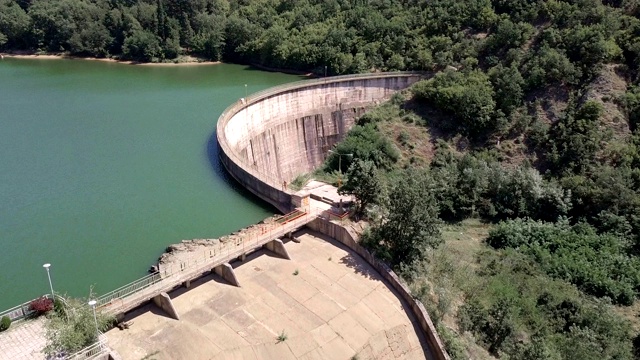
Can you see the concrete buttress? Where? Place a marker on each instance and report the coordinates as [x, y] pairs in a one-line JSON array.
[[226, 272], [163, 301], [276, 246]]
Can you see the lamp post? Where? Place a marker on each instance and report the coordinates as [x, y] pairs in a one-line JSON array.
[[92, 303], [46, 267]]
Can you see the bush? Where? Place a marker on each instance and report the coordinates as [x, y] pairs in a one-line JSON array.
[[454, 347], [42, 305], [467, 96], [71, 330], [5, 323], [596, 263]]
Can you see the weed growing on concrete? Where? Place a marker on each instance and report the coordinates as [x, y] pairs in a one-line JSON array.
[[282, 337], [295, 273], [150, 356]]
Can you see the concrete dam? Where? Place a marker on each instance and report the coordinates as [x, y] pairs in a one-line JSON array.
[[273, 136]]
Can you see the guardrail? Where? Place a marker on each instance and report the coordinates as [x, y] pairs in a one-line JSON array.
[[22, 311], [19, 312], [129, 289], [92, 351], [170, 276]]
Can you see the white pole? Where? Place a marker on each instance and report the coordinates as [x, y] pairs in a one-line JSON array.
[[92, 303], [47, 266]]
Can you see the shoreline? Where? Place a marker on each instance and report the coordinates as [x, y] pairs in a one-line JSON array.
[[192, 61], [186, 61]]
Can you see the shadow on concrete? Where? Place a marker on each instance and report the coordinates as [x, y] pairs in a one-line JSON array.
[[355, 261], [360, 267], [157, 311], [149, 307], [179, 291], [219, 171]]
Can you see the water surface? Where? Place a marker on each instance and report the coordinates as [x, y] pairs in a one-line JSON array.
[[103, 165]]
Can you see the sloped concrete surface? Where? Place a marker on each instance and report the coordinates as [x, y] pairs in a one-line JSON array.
[[336, 307]]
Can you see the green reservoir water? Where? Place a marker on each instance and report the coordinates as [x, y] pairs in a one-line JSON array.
[[103, 165]]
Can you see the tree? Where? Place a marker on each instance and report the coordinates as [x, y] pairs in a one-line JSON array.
[[141, 45], [14, 24], [575, 139], [467, 96], [364, 182], [72, 326], [508, 84], [412, 224]]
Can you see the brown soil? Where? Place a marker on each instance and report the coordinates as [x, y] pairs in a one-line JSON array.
[[604, 89]]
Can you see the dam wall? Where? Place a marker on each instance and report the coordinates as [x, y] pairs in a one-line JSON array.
[[273, 136], [344, 236]]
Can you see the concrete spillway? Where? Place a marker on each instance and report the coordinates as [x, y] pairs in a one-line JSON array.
[[276, 135]]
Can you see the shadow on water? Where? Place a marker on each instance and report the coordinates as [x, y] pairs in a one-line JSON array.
[[220, 171]]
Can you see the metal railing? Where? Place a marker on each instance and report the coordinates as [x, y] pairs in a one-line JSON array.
[[23, 311], [19, 312], [192, 266], [129, 289], [92, 351]]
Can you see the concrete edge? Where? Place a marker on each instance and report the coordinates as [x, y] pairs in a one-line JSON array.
[[341, 234]]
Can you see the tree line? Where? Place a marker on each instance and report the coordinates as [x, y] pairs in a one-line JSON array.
[[545, 41]]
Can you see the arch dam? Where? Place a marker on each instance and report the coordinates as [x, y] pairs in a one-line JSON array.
[[265, 141]]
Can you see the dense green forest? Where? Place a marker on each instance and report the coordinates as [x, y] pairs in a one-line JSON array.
[[546, 41], [531, 124]]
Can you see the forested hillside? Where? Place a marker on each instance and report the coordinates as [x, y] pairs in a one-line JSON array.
[[530, 128], [547, 41]]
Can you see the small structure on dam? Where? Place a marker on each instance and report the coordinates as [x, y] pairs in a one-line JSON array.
[[275, 135]]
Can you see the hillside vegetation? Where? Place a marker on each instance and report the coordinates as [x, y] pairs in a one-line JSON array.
[[527, 137], [535, 135], [545, 41]]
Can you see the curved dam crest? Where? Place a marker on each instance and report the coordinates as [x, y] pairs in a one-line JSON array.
[[276, 135]]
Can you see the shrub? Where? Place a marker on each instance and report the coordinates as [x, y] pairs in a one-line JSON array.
[[71, 330], [41, 305], [5, 323], [455, 348], [282, 337]]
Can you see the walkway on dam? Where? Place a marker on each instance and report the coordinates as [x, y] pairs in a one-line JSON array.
[[24, 341], [194, 265], [329, 302]]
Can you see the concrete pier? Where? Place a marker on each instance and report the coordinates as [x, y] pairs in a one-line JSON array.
[[163, 301], [226, 272]]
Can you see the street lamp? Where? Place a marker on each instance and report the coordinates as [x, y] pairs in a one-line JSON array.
[[93, 303], [340, 159], [46, 267]]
